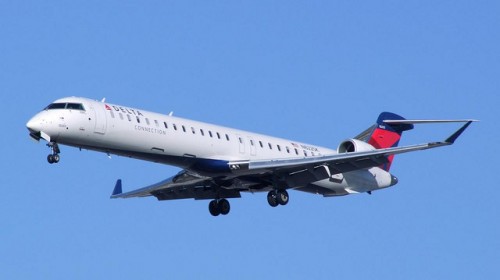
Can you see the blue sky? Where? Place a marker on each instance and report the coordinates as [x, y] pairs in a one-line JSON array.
[[312, 71]]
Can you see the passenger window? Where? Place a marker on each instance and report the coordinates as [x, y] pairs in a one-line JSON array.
[[305, 153], [112, 114], [279, 148], [251, 142], [184, 128], [129, 118], [157, 124], [261, 145], [147, 121], [192, 130], [210, 133], [296, 152], [138, 120], [165, 123], [227, 137], [202, 132], [218, 135], [270, 146], [121, 116], [287, 149]]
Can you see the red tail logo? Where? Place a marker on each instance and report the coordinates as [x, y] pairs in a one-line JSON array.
[[387, 136]]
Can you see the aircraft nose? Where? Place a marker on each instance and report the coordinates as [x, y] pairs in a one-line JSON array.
[[34, 124]]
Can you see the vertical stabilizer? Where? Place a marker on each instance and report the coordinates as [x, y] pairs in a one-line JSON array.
[[386, 135]]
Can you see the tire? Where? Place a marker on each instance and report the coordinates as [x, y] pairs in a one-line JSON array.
[[272, 199], [282, 197], [224, 206], [213, 208], [50, 159]]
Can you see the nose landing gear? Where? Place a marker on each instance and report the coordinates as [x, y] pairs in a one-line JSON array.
[[54, 156]]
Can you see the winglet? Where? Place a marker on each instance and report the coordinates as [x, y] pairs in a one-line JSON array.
[[118, 188], [454, 136]]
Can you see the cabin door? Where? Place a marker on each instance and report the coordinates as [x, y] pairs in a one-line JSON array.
[[101, 122]]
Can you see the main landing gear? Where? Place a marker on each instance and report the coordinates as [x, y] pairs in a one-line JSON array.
[[219, 206], [278, 197], [54, 156]]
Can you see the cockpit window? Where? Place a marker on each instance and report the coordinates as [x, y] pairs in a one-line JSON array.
[[56, 106], [69, 106], [75, 106]]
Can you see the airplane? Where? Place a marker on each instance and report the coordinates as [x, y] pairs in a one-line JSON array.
[[218, 162]]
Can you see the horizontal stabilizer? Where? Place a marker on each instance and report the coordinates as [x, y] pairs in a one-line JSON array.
[[425, 121]]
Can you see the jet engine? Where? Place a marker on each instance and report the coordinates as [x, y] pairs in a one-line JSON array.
[[354, 145]]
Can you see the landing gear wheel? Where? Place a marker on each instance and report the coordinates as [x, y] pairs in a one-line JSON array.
[[219, 206], [50, 159], [224, 206], [272, 199], [213, 207], [54, 156], [282, 197]]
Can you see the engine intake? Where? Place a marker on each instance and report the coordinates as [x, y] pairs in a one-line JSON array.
[[354, 145]]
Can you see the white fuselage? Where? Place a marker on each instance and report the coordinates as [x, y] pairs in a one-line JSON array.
[[201, 147]]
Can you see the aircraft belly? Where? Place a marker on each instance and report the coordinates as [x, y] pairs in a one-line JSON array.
[[357, 181], [327, 184]]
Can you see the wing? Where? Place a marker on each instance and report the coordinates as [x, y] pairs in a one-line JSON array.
[[338, 163], [262, 175], [183, 185]]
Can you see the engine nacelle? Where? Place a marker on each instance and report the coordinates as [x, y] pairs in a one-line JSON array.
[[354, 145]]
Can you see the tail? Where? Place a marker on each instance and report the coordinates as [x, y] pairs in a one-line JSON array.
[[384, 135]]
